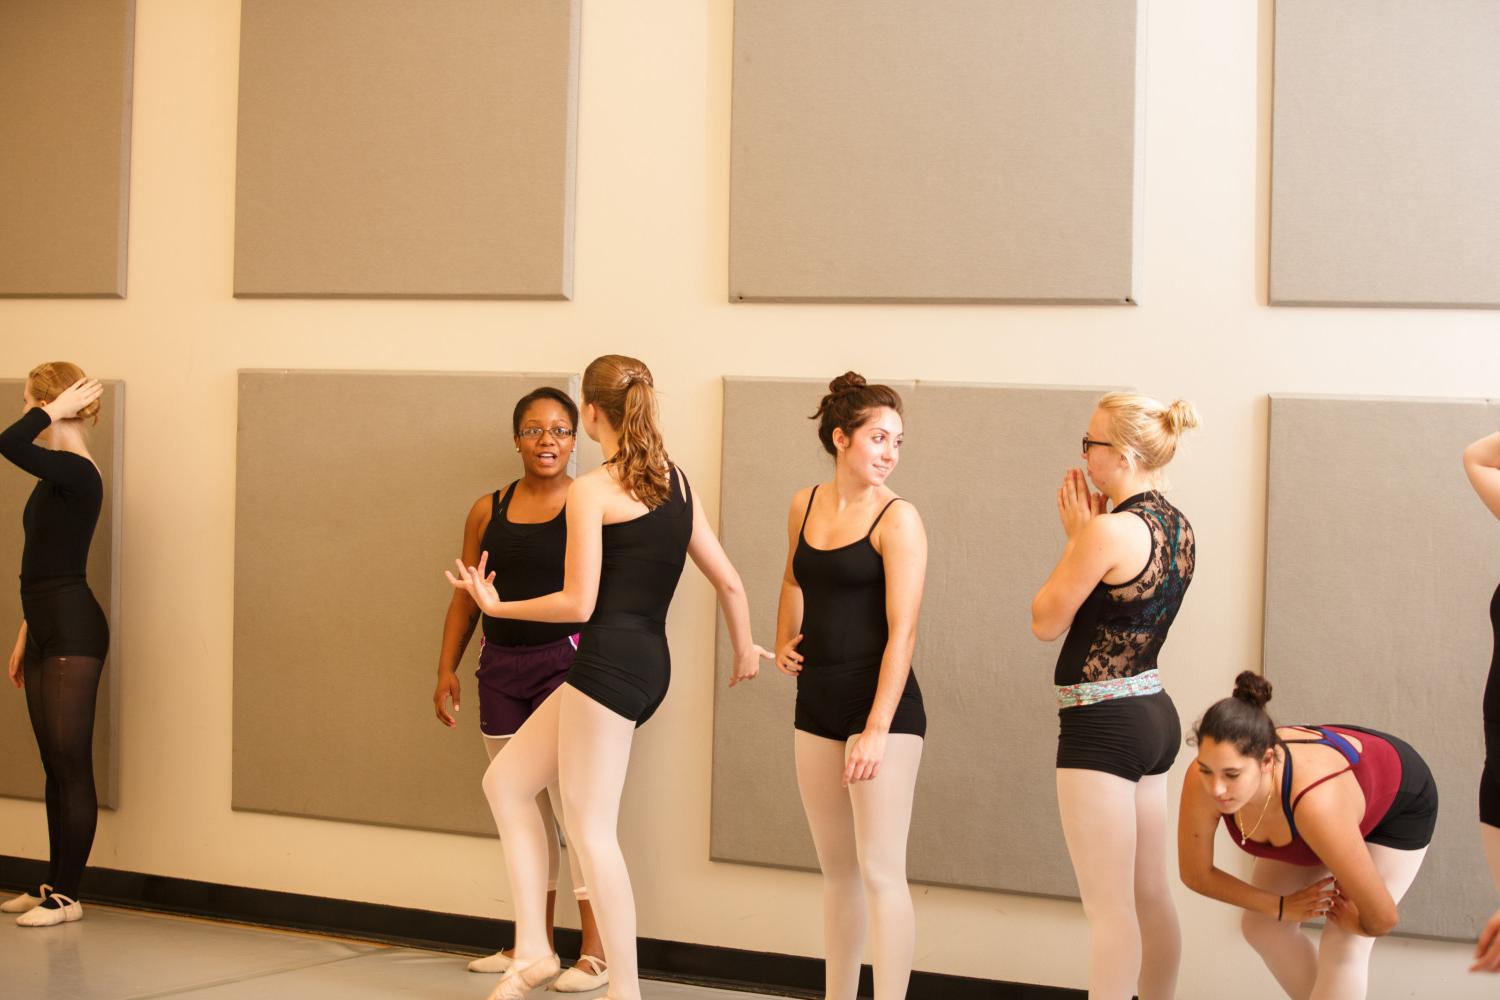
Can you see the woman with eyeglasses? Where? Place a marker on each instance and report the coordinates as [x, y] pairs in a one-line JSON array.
[[1482, 465], [1115, 592], [632, 524], [523, 529]]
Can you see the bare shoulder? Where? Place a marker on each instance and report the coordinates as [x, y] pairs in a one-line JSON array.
[[900, 525], [800, 499]]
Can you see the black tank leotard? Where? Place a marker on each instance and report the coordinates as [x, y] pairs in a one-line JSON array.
[[623, 661], [1489, 779], [62, 616], [844, 634], [1114, 716], [528, 561]]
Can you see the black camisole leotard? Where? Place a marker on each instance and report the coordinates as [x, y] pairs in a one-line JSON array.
[[844, 634], [1489, 778], [62, 616], [623, 661], [528, 561]]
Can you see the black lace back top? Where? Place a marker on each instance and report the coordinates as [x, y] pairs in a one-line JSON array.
[[1120, 628]]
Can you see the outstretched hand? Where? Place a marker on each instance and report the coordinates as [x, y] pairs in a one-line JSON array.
[[747, 664], [479, 584], [74, 399]]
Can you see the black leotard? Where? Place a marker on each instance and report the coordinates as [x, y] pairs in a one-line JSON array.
[[844, 635], [1489, 778], [623, 661], [62, 617], [528, 562], [1113, 715]]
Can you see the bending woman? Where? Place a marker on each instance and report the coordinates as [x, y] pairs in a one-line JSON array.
[[846, 627], [1115, 591], [522, 530], [1339, 818], [64, 636], [632, 523], [1482, 465]]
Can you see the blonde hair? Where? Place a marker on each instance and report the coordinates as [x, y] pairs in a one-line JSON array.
[[1146, 430], [623, 390], [48, 380]]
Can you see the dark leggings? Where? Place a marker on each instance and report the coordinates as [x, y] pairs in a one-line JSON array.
[[60, 696], [1489, 778]]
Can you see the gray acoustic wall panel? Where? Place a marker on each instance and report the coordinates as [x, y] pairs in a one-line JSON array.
[[948, 150], [66, 72], [390, 148], [1385, 176], [1380, 563], [21, 777], [993, 537], [351, 494]]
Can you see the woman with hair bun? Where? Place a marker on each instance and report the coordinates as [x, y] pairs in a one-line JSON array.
[[1339, 819], [64, 637], [845, 628], [1115, 591], [632, 523]]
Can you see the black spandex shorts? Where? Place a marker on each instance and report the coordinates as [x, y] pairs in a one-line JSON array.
[[63, 619], [1129, 737], [834, 702], [624, 667], [1409, 822]]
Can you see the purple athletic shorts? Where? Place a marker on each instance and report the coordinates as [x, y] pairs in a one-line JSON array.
[[515, 680]]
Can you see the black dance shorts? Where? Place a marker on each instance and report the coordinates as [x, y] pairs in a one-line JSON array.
[[834, 702], [63, 619], [1129, 737]]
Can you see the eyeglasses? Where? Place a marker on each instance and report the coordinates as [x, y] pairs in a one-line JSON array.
[[532, 433], [1089, 443]]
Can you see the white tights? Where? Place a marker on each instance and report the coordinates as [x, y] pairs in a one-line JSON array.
[[860, 834], [1117, 838], [1337, 966], [585, 747], [549, 804], [1491, 838]]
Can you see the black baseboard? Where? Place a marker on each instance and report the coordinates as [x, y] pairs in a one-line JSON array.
[[730, 968]]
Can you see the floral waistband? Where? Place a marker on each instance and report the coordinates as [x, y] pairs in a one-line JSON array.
[[1092, 692]]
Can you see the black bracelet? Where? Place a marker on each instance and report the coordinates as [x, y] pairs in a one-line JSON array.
[[1280, 907]]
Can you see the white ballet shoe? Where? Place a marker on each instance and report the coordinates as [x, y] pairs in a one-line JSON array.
[[579, 980], [48, 916], [498, 962], [522, 979], [25, 901]]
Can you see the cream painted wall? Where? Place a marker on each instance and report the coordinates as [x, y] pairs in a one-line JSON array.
[[651, 280]]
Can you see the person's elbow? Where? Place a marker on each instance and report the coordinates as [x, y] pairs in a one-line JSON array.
[[1195, 879], [1044, 626], [1380, 922]]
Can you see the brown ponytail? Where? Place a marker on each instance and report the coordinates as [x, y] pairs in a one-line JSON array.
[[623, 390]]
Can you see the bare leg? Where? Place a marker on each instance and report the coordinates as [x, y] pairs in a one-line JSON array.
[[594, 755], [1289, 954], [820, 769], [1161, 938], [1099, 823], [514, 780], [882, 818], [1344, 958]]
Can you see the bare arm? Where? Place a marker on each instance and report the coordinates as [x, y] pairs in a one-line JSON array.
[[708, 555], [575, 602], [1088, 557], [789, 608], [1482, 466], [1197, 823], [462, 616], [1326, 821]]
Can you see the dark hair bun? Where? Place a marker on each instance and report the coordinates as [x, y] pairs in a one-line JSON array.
[[847, 382], [1252, 688]]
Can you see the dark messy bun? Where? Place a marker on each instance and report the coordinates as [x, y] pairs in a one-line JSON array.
[[1241, 719], [1252, 688], [848, 405]]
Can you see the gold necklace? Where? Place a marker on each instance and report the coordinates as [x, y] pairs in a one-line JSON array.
[[1266, 805]]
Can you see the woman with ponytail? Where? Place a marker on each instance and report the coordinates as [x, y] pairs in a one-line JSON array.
[[1339, 819], [64, 636], [632, 523], [1115, 591], [846, 628]]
